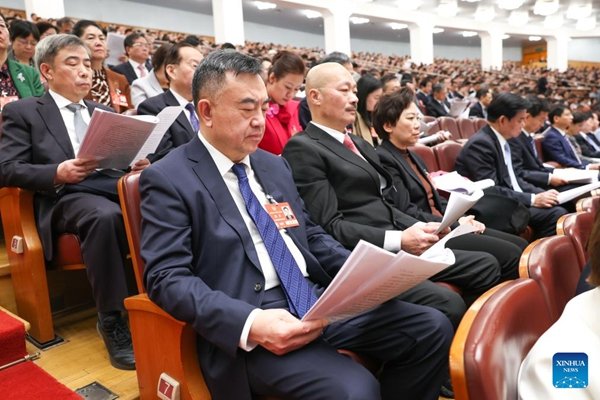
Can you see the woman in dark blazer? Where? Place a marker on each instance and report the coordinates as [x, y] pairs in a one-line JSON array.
[[396, 120]]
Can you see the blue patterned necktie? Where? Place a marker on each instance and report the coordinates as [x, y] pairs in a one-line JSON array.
[[193, 119], [297, 288]]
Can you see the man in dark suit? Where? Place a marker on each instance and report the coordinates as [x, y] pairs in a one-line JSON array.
[[556, 144], [341, 181], [206, 241], [582, 125], [180, 63], [479, 109], [437, 105], [137, 50], [423, 93], [38, 146], [487, 155]]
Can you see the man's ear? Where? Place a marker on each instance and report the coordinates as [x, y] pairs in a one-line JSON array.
[[46, 71], [204, 110], [314, 96], [169, 69]]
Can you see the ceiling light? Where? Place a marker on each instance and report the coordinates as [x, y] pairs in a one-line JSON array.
[[264, 5], [409, 5], [535, 38], [397, 26], [586, 24], [545, 7], [485, 13], [447, 8], [471, 1], [578, 11], [505, 36], [554, 21], [468, 33], [518, 18], [510, 4], [311, 14], [438, 30], [359, 20]]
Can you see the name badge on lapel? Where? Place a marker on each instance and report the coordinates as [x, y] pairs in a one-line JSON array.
[[282, 215]]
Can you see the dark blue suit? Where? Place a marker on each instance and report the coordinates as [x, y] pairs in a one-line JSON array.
[[526, 164], [557, 148], [202, 268]]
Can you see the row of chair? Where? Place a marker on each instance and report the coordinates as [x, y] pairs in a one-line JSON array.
[[460, 128], [440, 157], [502, 325]]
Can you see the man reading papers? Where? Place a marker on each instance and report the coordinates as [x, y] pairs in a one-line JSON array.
[[215, 259], [40, 137]]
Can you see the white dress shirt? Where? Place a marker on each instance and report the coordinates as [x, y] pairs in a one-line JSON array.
[[69, 117]]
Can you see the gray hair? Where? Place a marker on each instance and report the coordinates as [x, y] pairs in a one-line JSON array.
[[47, 49], [209, 76]]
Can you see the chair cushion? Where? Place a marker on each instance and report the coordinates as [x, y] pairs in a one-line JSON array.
[[67, 252]]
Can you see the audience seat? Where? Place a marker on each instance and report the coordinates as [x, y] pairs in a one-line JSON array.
[[150, 325], [434, 127], [577, 227], [466, 127], [428, 118], [445, 154], [449, 124], [589, 204], [552, 262], [28, 269], [494, 336], [479, 123], [427, 155], [537, 140]]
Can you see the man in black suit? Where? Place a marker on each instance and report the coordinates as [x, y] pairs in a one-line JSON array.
[[582, 122], [437, 105], [38, 147], [137, 50], [180, 63], [423, 93], [487, 155], [214, 258], [484, 98], [342, 182]]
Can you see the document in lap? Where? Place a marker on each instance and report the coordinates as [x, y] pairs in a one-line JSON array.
[[118, 141], [574, 175], [571, 194], [454, 182], [458, 205], [371, 276]]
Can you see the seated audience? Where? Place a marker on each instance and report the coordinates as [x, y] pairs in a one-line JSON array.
[[108, 87], [589, 149], [39, 141], [251, 341], [391, 83], [137, 50], [576, 331], [155, 82], [437, 105], [24, 36], [180, 63], [284, 79], [46, 29], [423, 93], [479, 109], [368, 91], [487, 155]]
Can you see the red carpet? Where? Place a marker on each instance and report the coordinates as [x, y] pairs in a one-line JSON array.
[[24, 381]]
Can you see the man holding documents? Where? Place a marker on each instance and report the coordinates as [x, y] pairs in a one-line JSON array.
[[216, 258], [343, 185], [39, 141], [487, 155], [180, 63]]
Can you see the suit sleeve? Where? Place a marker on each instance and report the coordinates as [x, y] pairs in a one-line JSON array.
[[16, 153], [553, 150], [309, 171], [166, 248]]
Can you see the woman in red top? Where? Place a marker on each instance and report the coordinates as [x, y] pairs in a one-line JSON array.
[[283, 82]]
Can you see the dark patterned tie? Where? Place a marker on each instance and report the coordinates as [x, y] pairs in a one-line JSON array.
[[193, 119], [297, 288]]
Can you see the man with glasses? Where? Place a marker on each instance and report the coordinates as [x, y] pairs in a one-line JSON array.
[[137, 49]]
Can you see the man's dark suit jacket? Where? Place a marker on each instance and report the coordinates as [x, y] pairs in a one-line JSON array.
[[34, 141], [435, 109], [525, 163], [179, 133], [215, 285], [422, 97], [482, 158], [412, 197], [348, 209], [586, 148], [127, 69], [557, 148], [476, 110]]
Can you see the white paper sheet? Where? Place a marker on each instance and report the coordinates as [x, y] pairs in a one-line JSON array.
[[574, 175], [571, 194], [453, 182], [458, 204], [166, 118], [114, 43], [458, 107]]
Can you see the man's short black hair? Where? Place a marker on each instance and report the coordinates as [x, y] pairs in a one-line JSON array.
[[507, 105]]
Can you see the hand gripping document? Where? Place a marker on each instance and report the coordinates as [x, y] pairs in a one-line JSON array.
[[372, 276], [118, 141]]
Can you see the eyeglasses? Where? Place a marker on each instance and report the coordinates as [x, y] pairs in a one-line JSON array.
[[140, 44], [26, 42]]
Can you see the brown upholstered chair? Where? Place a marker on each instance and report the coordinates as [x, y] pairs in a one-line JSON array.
[[449, 124], [466, 127], [28, 269], [578, 227], [552, 262], [479, 123], [494, 336], [537, 141], [427, 155], [446, 154], [589, 204], [150, 325]]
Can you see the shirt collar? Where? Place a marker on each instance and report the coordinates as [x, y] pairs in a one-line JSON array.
[[560, 131], [337, 135], [180, 99], [135, 64], [499, 137], [62, 101], [222, 162]]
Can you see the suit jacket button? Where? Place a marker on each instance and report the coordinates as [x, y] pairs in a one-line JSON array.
[[257, 287]]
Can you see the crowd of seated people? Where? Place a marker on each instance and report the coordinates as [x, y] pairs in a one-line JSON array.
[[351, 190]]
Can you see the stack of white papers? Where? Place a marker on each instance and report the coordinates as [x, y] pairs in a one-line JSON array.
[[453, 182], [574, 175]]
